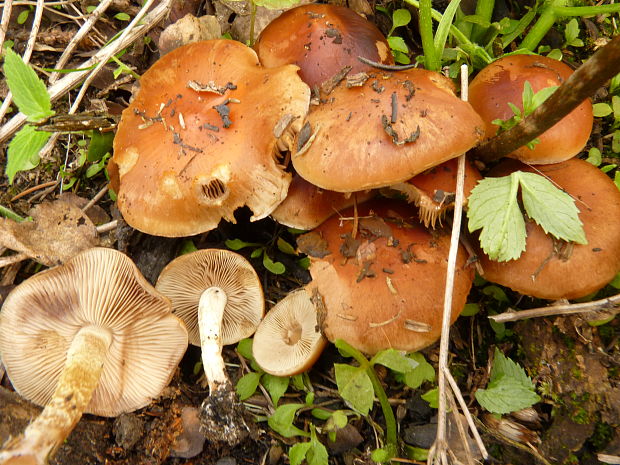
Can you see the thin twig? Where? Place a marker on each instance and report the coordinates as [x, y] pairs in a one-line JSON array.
[[466, 412], [385, 67], [15, 258], [459, 426], [582, 84], [96, 198], [34, 189], [608, 303], [440, 446], [104, 228], [62, 86], [4, 23], [88, 24]]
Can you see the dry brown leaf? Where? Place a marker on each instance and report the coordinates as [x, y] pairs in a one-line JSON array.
[[57, 232]]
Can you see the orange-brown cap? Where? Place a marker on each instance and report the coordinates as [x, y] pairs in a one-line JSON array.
[[502, 82], [201, 139], [552, 269], [384, 287], [306, 206], [384, 131], [433, 191], [321, 39]]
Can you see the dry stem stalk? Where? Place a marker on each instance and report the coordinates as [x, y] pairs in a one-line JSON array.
[[75, 388]]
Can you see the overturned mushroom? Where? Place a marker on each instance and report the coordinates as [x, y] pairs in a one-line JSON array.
[[288, 340], [219, 296], [89, 336], [202, 138], [377, 279]]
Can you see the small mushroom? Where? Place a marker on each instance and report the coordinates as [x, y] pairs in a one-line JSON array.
[[288, 340], [553, 269], [322, 39], [502, 82], [378, 281], [89, 336], [384, 132], [219, 296]]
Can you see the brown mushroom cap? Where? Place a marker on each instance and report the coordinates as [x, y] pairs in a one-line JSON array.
[[321, 39], [185, 279], [502, 82], [433, 191], [552, 269], [201, 139], [288, 340], [349, 143], [99, 288], [306, 206], [383, 289]]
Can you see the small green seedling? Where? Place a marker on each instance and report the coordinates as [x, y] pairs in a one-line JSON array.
[[509, 388], [261, 250], [400, 18]]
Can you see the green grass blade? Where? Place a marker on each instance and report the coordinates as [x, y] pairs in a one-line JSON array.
[[444, 26]]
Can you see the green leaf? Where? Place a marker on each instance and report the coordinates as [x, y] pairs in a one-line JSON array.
[[244, 347], [398, 44], [400, 17], [339, 418], [238, 244], [554, 210], [247, 384], [540, 97], [257, 252], [600, 110], [100, 145], [615, 141], [432, 397], [493, 207], [28, 90], [416, 453], [505, 395], [503, 366], [23, 151], [443, 28], [423, 372], [96, 168], [23, 17], [401, 58], [470, 309], [615, 105], [273, 267], [297, 453], [276, 4], [282, 421], [304, 263], [380, 455], [187, 246], [394, 360], [122, 16], [276, 386], [594, 156], [355, 387], [321, 414], [572, 31], [285, 247]]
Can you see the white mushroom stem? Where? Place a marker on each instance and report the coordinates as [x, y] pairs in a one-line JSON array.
[[210, 317], [77, 382]]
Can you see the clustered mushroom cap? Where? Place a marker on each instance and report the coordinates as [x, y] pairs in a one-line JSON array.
[[348, 142], [433, 191], [552, 269], [306, 206], [288, 340], [185, 279], [98, 288], [384, 288], [201, 139], [321, 39], [502, 82]]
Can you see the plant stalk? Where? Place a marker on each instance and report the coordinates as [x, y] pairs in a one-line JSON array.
[[77, 382], [210, 316]]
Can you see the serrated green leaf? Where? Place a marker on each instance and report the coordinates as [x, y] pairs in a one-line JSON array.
[[398, 44], [282, 421], [297, 453], [503, 366], [23, 151], [276, 4], [247, 384], [355, 387], [285, 247], [276, 386], [394, 360], [238, 244], [273, 267], [493, 207], [29, 92], [505, 395], [554, 210], [244, 347], [600, 110], [423, 372], [572, 31], [400, 17]]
